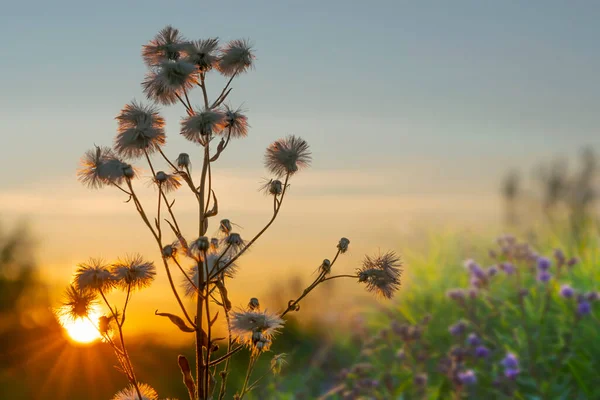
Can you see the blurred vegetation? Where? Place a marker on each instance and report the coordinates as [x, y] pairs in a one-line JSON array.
[[410, 352]]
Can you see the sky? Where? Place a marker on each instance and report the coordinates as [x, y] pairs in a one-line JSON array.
[[413, 110]]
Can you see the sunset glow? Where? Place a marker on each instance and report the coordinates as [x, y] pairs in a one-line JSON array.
[[81, 330]]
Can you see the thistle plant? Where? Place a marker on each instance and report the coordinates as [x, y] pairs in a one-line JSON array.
[[198, 267]]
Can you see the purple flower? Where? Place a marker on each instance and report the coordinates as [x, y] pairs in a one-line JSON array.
[[456, 294], [472, 293], [559, 256], [566, 291], [482, 352], [544, 276], [458, 328], [473, 339], [476, 282], [508, 268], [511, 373], [543, 264], [510, 361], [467, 378], [493, 270], [584, 308], [592, 296]]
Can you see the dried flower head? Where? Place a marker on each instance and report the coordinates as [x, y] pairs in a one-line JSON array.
[[165, 46], [235, 58], [234, 242], [343, 245], [100, 167], [77, 303], [167, 82], [130, 393], [325, 266], [198, 247], [134, 272], [183, 160], [201, 53], [246, 324], [140, 130], [202, 124], [287, 156], [167, 182], [94, 275], [236, 123], [272, 187], [381, 274]]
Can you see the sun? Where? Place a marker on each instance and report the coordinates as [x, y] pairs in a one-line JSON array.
[[82, 330]]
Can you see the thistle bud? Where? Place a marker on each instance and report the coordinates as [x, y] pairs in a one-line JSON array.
[[128, 171], [183, 160], [161, 176], [201, 244], [234, 239], [276, 187], [225, 226], [343, 245], [168, 251], [326, 266], [253, 304]]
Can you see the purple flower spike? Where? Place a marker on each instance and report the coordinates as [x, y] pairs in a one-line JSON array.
[[544, 276], [510, 361], [467, 378], [511, 373], [482, 352], [473, 339], [543, 264], [584, 308], [567, 291]]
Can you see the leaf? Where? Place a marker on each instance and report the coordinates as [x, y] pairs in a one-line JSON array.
[[178, 321]]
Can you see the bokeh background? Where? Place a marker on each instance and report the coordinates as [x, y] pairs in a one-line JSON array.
[[424, 118]]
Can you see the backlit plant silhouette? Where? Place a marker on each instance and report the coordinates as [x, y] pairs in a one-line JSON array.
[[196, 265]]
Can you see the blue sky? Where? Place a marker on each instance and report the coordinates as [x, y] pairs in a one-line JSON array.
[[411, 108], [369, 85]]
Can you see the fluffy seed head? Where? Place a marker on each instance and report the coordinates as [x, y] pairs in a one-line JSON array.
[[167, 182], [77, 303], [225, 226], [129, 393], [94, 275], [287, 156], [201, 53], [100, 167], [165, 46], [202, 124], [235, 242], [198, 247], [140, 129], [381, 274], [134, 272], [236, 123], [199, 270], [166, 82], [235, 58], [247, 324]]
